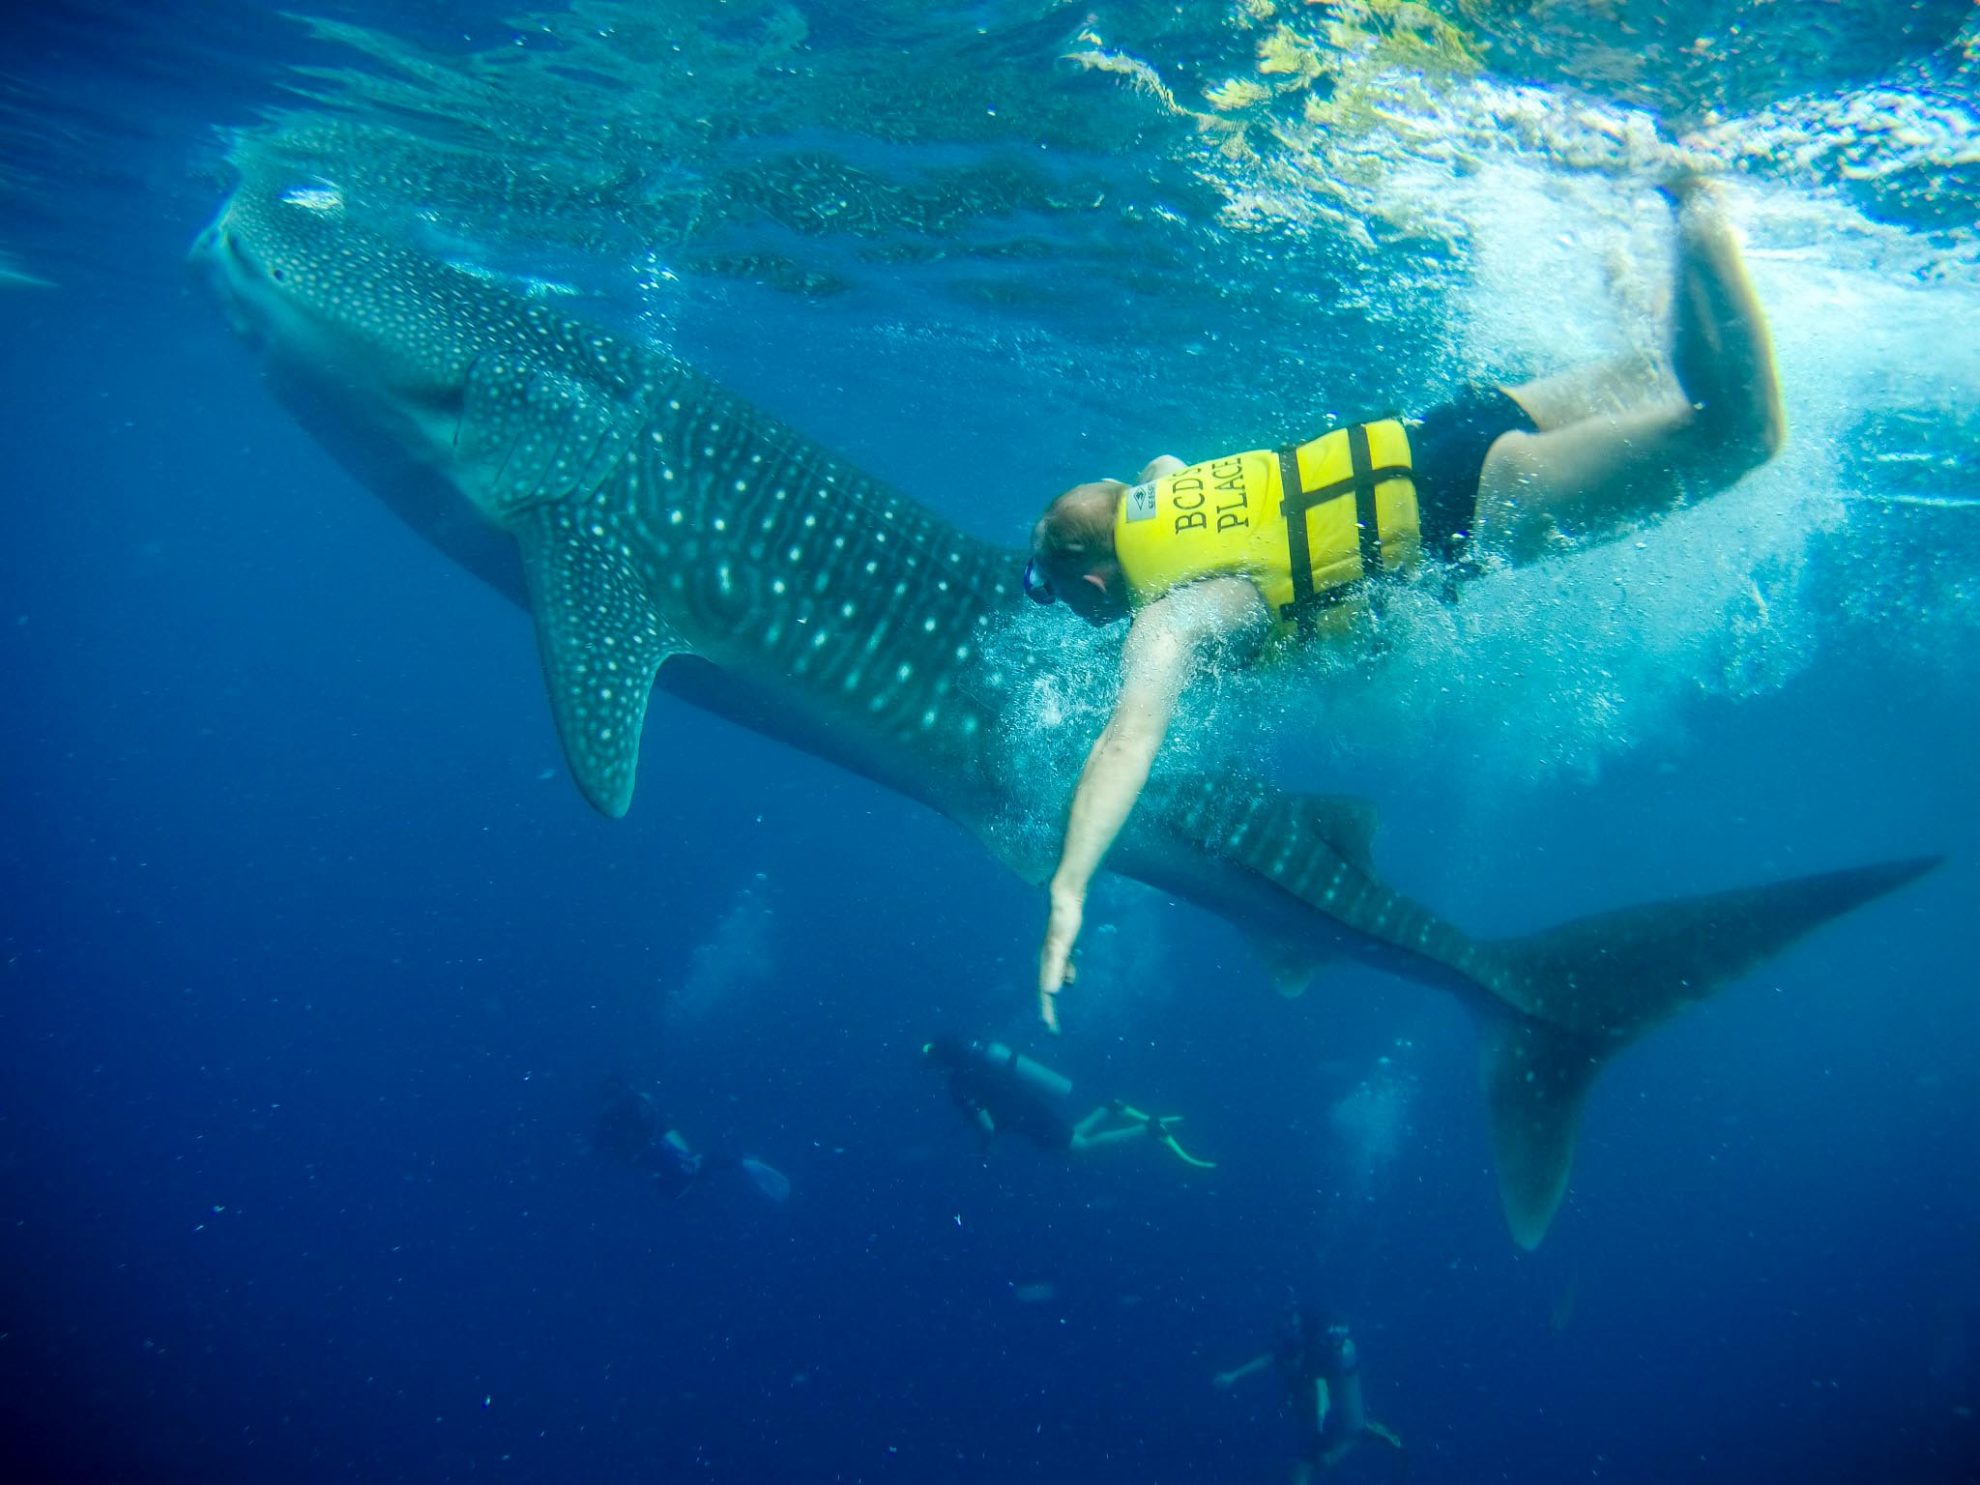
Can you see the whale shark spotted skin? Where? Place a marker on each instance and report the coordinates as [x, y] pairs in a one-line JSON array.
[[661, 529]]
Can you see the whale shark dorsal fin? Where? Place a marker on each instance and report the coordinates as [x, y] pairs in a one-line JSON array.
[[1344, 822], [529, 432], [602, 642]]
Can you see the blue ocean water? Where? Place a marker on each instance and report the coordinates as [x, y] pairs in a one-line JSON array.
[[313, 964]]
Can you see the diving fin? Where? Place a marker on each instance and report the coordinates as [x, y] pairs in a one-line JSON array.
[[771, 1183], [1159, 1128], [1169, 1143], [1382, 1432]]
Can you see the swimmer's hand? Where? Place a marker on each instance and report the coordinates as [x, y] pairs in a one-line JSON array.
[[1055, 968], [1224, 1381]]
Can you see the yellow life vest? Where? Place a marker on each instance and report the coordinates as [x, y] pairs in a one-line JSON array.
[[1303, 524]]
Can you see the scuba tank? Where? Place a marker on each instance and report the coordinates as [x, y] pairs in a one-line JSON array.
[[1034, 1075], [955, 1054]]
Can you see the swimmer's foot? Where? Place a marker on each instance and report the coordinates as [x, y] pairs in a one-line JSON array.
[[1721, 349], [1679, 181]]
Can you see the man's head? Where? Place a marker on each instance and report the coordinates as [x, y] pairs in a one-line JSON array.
[[628, 1122], [1072, 553], [945, 1052]]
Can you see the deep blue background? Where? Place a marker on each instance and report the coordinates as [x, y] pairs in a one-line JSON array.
[[312, 963]]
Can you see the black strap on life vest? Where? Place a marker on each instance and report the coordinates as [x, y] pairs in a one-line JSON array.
[[1296, 501]]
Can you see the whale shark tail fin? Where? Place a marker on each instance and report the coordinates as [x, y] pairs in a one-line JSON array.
[[1587, 989], [1536, 1079]]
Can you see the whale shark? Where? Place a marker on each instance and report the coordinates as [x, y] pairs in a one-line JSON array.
[[663, 533]]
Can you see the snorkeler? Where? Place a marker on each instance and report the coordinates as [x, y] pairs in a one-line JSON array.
[[1000, 1090], [1320, 1379], [631, 1129], [1209, 564]]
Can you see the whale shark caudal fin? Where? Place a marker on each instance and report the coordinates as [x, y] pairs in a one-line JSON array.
[[1595, 985], [1536, 1079], [602, 643]]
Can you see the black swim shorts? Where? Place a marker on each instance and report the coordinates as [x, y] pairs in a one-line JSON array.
[[1447, 449]]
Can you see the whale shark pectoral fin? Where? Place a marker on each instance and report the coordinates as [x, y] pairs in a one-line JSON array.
[[1536, 1079], [602, 642], [530, 433]]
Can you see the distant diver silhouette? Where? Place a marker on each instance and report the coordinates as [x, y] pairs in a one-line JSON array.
[[999, 1089], [1319, 1371], [631, 1129]]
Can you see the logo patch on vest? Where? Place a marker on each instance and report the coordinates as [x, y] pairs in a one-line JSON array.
[[1141, 502]]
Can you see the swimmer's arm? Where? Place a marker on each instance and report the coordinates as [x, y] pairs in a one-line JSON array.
[[1322, 1400], [1162, 648], [1251, 1368]]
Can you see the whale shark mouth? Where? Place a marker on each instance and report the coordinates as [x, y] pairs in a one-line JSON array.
[[248, 291]]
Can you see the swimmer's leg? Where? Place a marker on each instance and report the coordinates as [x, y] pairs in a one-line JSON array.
[[1539, 493], [1088, 1135], [1399, 1468], [1085, 1128], [1105, 1137], [1720, 348], [1637, 379], [1601, 462]]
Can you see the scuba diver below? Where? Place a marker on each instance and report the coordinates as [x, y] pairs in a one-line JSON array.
[[632, 1130], [1320, 1375], [1000, 1089]]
